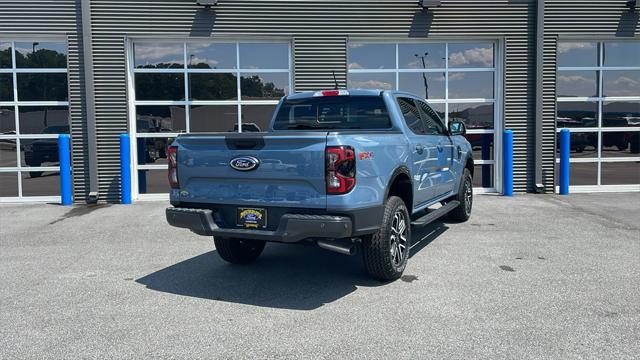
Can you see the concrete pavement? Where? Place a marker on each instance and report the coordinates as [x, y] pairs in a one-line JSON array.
[[531, 276]]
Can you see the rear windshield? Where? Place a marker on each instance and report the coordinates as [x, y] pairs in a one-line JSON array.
[[333, 112]]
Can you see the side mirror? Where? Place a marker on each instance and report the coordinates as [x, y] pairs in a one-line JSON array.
[[457, 128]]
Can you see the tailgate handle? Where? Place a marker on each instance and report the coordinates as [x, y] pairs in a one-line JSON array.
[[244, 143]]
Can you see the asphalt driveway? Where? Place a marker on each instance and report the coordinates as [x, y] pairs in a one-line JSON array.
[[527, 277]]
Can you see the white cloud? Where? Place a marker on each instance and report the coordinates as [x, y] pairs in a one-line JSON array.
[[456, 76], [167, 53], [196, 60], [482, 56], [626, 81], [371, 84], [575, 78], [565, 47], [355, 65]]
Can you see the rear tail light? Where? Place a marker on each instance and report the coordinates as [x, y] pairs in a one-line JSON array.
[[340, 169], [172, 157]]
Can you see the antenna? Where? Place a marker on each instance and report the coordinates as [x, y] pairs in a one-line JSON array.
[[334, 79]]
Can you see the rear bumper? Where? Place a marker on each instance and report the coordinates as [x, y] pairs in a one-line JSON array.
[[292, 227]]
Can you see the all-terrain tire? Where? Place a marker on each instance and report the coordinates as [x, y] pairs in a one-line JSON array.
[[238, 251], [386, 252], [465, 196]]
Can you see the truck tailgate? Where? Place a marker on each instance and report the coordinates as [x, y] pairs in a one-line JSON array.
[[290, 170]]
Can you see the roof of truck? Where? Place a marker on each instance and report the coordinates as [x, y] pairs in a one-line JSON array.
[[352, 92]]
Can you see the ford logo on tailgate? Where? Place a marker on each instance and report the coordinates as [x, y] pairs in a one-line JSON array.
[[244, 163]]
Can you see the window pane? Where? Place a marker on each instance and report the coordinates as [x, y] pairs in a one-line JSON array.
[[40, 183], [44, 119], [152, 55], [8, 153], [39, 152], [372, 81], [582, 173], [264, 56], [153, 181], [621, 83], [159, 86], [470, 85], [432, 123], [483, 176], [582, 145], [577, 114], [267, 86], [572, 53], [211, 56], [152, 150], [620, 144], [213, 86], [371, 56], [41, 55], [471, 55], [421, 56], [5, 54], [257, 117], [6, 87], [429, 85], [160, 118], [411, 116], [8, 183], [620, 113], [214, 118], [577, 83], [624, 53], [474, 116], [7, 121], [482, 145], [620, 173], [42, 87]]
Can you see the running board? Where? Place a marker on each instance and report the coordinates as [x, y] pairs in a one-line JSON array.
[[435, 214]]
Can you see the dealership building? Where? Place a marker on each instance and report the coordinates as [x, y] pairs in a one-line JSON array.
[[153, 69]]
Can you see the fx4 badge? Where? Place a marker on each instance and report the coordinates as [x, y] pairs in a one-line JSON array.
[[365, 155], [244, 163]]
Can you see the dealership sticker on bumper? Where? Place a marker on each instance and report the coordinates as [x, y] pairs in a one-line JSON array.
[[252, 218]]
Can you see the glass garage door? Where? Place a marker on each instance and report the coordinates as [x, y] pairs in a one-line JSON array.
[[458, 79], [598, 100], [199, 86], [34, 110]]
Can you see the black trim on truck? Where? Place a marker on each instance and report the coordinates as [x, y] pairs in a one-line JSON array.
[[292, 227]]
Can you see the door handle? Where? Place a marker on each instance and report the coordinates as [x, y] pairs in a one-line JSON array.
[[419, 148]]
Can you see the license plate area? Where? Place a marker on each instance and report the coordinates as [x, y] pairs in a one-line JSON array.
[[251, 218]]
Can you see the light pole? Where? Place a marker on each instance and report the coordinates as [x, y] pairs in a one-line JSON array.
[[424, 75]]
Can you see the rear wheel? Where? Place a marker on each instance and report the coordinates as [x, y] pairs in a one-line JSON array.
[[386, 252], [238, 251], [465, 197]]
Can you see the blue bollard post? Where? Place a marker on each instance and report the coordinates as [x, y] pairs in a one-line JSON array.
[[508, 162], [125, 168], [565, 148], [65, 169]]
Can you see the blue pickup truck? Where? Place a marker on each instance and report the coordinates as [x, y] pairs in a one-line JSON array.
[[340, 168]]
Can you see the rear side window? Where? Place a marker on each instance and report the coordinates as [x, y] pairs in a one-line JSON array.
[[432, 122], [411, 115], [333, 112]]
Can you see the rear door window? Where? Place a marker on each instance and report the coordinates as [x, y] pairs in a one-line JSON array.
[[411, 115], [431, 120]]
